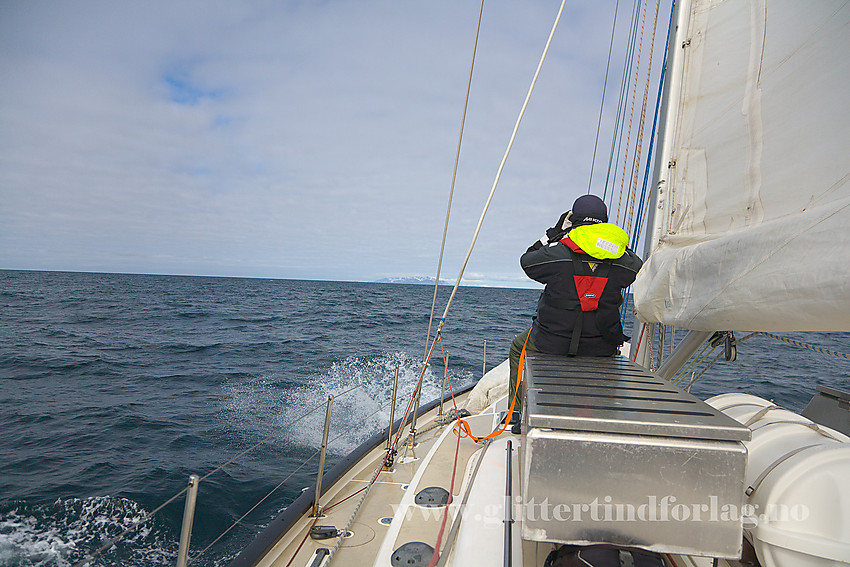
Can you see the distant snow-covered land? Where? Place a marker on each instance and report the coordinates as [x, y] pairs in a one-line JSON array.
[[422, 280]]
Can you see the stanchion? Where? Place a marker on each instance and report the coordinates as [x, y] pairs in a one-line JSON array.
[[188, 520], [389, 461], [392, 409], [317, 511]]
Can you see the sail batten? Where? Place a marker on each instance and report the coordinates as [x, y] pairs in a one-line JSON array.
[[755, 211]]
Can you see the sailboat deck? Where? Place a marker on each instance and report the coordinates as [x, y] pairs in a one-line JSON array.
[[388, 522], [387, 518]]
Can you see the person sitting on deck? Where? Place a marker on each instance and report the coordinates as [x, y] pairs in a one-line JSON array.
[[585, 265]]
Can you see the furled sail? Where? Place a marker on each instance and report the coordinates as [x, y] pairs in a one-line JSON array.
[[752, 227]]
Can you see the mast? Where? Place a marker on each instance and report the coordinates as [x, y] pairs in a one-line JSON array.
[[659, 203]]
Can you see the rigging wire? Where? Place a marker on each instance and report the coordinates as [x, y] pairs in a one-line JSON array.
[[602, 104], [808, 346], [454, 178], [641, 218], [631, 112], [642, 122], [616, 139], [501, 166]]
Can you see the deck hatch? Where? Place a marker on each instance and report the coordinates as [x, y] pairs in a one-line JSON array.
[[614, 395], [432, 497], [613, 454], [412, 554]]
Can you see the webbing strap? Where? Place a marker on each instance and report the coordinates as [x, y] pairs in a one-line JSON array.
[[576, 334], [580, 270]]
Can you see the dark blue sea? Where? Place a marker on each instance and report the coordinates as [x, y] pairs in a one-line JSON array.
[[115, 388]]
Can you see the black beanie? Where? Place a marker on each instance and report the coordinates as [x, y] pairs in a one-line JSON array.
[[589, 209]]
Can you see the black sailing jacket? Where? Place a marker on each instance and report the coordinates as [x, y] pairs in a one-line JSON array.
[[559, 304]]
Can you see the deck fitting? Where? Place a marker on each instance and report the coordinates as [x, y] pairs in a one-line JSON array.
[[432, 497], [412, 554]]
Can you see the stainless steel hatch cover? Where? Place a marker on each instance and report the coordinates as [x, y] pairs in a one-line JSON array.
[[613, 454], [615, 395]]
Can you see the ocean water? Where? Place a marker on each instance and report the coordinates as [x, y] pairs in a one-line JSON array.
[[115, 388]]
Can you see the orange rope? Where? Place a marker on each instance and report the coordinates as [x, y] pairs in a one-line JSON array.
[[462, 424]]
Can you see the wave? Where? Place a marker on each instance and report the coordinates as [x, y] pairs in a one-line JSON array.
[[362, 387], [64, 532]]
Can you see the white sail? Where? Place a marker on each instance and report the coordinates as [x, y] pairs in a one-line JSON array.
[[753, 213]]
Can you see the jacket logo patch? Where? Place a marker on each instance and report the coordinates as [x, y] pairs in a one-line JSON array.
[[589, 290]]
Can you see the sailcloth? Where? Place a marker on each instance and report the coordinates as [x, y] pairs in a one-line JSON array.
[[754, 208]]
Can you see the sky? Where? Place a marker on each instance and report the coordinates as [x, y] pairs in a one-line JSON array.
[[291, 139]]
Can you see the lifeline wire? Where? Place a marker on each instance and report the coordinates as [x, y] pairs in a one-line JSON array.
[[147, 517], [502, 166], [273, 490], [254, 507], [275, 434]]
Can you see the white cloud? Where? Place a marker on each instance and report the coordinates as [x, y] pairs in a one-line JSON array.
[[286, 139]]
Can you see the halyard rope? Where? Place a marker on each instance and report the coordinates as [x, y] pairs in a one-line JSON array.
[[619, 122], [631, 112], [642, 122]]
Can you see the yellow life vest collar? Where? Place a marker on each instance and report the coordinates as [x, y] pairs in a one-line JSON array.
[[602, 240]]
